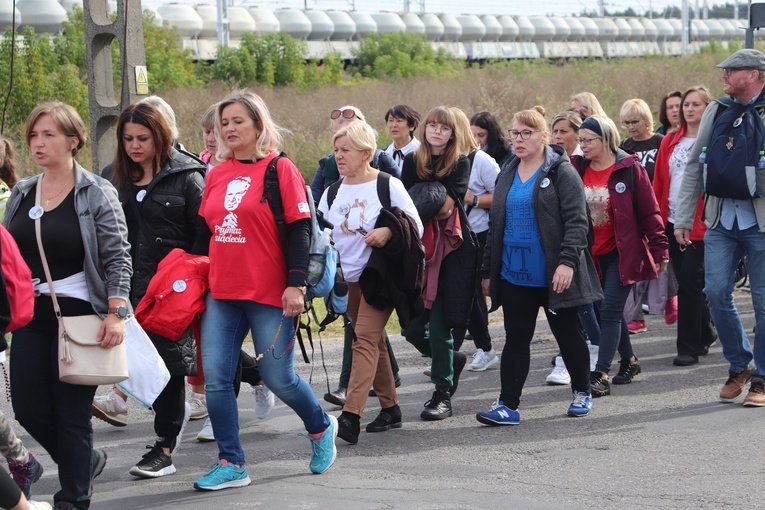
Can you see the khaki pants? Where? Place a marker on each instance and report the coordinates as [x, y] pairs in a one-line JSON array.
[[371, 364]]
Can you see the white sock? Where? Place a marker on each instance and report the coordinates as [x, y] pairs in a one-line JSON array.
[[121, 402]]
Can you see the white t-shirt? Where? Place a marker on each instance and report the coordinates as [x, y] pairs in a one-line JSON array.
[[677, 161], [354, 213], [412, 146], [483, 176]]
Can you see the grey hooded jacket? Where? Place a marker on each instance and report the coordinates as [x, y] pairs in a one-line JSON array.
[[104, 235]]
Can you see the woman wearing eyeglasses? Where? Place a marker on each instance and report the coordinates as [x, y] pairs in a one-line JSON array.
[[536, 256], [658, 294], [695, 332], [327, 173], [438, 168], [629, 245]]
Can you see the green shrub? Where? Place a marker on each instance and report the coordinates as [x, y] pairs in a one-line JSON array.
[[400, 55]]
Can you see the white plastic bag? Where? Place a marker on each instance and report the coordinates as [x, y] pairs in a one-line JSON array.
[[148, 373]]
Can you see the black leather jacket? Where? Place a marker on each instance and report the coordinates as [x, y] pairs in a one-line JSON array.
[[170, 213]]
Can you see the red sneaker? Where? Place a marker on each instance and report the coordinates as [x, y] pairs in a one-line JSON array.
[[637, 327], [670, 311]]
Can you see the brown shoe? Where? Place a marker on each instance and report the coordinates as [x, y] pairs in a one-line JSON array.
[[734, 386], [756, 395]]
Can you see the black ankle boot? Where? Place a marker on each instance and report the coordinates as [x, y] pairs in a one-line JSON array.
[[438, 407], [389, 418], [348, 427], [336, 397]]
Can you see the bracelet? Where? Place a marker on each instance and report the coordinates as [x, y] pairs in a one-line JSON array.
[[475, 201]]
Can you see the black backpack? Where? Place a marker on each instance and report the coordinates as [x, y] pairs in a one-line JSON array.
[[733, 150]]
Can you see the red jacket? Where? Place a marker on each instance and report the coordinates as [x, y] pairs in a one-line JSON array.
[[640, 238], [175, 295], [661, 180]]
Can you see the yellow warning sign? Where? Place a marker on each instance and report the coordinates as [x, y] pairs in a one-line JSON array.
[[141, 81]]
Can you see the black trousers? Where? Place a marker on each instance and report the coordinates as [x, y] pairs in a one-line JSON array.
[[695, 331], [10, 494], [55, 413], [478, 324], [520, 306]]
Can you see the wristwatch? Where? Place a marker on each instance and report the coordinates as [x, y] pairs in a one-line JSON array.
[[120, 311], [475, 201]]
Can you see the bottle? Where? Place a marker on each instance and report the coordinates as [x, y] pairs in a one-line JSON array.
[[761, 162], [703, 156]]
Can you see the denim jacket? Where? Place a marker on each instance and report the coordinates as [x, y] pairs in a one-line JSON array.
[[104, 235]]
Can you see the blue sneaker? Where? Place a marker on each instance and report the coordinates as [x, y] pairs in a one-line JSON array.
[[323, 451], [580, 404], [499, 415], [223, 475]]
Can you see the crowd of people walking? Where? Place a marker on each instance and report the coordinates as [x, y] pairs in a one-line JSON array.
[[567, 215]]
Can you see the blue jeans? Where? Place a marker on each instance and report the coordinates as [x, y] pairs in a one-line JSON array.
[[723, 251], [224, 327], [613, 328], [589, 323]]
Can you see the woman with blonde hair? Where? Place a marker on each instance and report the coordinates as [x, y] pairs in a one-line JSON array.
[[438, 175], [536, 256], [356, 240], [264, 294], [629, 241], [586, 105]]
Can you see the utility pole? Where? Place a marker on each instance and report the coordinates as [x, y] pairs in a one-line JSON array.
[[105, 107], [224, 24]]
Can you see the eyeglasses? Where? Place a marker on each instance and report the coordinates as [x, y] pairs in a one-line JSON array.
[[628, 123], [347, 114], [586, 141], [525, 134], [728, 71], [438, 128]]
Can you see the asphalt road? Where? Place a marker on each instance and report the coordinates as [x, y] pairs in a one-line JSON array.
[[663, 441]]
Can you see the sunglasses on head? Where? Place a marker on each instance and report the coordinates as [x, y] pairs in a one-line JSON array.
[[347, 114]]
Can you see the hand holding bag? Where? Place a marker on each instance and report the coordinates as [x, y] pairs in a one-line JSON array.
[[81, 360]]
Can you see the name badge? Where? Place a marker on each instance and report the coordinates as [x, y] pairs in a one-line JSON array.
[[36, 212], [620, 187], [545, 182], [141, 195], [179, 285]]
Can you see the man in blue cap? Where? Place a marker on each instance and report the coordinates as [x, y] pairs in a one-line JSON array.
[[735, 219]]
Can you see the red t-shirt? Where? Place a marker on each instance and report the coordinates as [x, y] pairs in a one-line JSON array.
[[246, 256], [596, 191]]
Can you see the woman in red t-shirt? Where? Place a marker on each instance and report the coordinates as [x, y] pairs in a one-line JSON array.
[[254, 285], [629, 246]]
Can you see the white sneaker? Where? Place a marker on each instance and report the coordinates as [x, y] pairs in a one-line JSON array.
[[483, 360], [264, 401], [559, 374], [186, 417], [594, 349], [110, 408], [206, 434], [39, 505], [198, 403]]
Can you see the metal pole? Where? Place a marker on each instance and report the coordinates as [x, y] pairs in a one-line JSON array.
[[749, 37], [686, 28], [223, 23]]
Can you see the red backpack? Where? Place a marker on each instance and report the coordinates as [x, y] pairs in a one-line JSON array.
[[18, 282]]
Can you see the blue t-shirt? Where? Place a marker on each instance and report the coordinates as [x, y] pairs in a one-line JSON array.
[[523, 261]]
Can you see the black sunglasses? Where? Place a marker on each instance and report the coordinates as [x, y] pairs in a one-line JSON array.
[[347, 114]]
